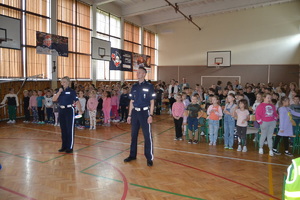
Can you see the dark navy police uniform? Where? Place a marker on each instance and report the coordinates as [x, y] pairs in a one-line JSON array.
[[66, 116], [141, 94]]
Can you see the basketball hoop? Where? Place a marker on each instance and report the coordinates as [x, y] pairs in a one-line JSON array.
[[217, 65]]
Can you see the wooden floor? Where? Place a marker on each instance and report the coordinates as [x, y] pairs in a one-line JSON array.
[[33, 169]]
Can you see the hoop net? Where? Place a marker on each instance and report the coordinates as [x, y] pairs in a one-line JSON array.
[[217, 65]]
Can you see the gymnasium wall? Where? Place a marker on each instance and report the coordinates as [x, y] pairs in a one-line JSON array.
[[245, 73], [267, 35]]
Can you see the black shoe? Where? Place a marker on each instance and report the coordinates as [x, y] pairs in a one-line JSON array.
[[129, 159], [150, 163], [69, 151], [61, 150]]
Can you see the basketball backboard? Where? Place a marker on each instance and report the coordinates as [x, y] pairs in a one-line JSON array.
[[101, 49], [218, 58]]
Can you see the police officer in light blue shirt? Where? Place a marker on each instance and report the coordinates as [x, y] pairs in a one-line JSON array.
[[66, 97], [141, 108]]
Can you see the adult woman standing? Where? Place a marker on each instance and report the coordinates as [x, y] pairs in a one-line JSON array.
[[66, 97]]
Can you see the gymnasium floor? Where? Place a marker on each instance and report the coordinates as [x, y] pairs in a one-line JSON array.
[[33, 169]]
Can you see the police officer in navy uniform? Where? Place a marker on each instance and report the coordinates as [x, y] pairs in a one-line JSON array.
[[66, 98], [141, 108]]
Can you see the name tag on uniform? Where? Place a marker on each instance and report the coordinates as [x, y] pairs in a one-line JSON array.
[[145, 89], [68, 93]]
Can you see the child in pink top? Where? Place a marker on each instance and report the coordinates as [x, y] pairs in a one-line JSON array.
[[92, 108], [266, 115], [177, 112], [33, 106], [114, 106], [106, 108]]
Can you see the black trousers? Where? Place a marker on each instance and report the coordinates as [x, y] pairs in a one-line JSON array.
[[66, 118], [124, 112], [158, 106], [178, 127], [49, 112], [241, 132], [41, 114], [285, 142], [81, 121], [27, 114], [140, 119]]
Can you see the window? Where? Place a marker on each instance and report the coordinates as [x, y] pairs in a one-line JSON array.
[[132, 42], [108, 28], [74, 22], [11, 59], [150, 50], [35, 63]]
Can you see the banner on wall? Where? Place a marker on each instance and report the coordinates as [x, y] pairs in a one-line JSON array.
[[140, 60], [116, 59], [127, 61], [51, 44], [120, 60]]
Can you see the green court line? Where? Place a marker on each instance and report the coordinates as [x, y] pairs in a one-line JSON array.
[[164, 191], [100, 162], [88, 146], [119, 135], [54, 158], [145, 187], [21, 157], [102, 177], [165, 130]]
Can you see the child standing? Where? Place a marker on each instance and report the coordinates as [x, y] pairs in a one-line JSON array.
[[82, 101], [33, 106], [266, 116], [214, 113], [193, 113], [92, 108], [229, 121], [26, 106], [177, 112], [114, 106], [12, 104], [296, 107], [106, 108], [124, 104], [285, 125], [49, 106], [100, 103], [186, 102], [40, 106], [243, 116]]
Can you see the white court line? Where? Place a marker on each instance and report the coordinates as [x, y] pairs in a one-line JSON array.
[[173, 150]]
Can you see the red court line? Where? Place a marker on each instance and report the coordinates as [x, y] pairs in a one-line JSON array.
[[241, 184], [120, 172], [42, 140], [16, 193], [210, 173], [227, 179]]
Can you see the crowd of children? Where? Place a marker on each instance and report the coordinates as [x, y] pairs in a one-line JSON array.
[[234, 105], [276, 110], [107, 102]]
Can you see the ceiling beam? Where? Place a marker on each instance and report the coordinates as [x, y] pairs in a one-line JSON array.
[[144, 7], [101, 2], [197, 10]]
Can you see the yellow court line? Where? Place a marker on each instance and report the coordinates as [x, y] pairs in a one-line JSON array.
[[271, 189]]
